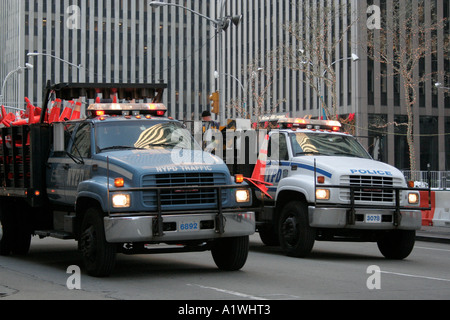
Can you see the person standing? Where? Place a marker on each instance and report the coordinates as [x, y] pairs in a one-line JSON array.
[[208, 123]]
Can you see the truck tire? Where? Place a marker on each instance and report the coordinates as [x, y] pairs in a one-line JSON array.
[[98, 255], [397, 244], [230, 254], [5, 238], [296, 236], [268, 235], [22, 242], [16, 236], [6, 232]]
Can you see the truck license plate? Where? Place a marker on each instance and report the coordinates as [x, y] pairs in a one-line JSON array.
[[373, 218], [188, 226]]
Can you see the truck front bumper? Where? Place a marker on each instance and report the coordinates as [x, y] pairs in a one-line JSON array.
[[178, 227], [323, 217]]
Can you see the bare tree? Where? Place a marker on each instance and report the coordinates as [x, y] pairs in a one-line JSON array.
[[316, 36], [406, 37], [260, 86]]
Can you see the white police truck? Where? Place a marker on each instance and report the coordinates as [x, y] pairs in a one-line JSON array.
[[323, 185]]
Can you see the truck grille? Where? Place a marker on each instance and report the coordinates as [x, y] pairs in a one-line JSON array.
[[370, 191], [183, 197]]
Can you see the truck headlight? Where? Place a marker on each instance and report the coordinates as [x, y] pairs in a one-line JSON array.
[[121, 200], [322, 194], [242, 196], [413, 198]]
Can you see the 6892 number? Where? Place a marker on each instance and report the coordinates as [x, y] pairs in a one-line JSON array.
[[188, 226]]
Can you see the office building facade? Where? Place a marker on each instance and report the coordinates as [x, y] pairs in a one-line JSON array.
[[127, 41], [377, 101], [108, 41]]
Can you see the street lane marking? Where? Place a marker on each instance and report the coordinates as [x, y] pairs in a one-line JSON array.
[[234, 293], [415, 276]]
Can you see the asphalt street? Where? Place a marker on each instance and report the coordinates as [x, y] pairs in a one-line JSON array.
[[333, 271]]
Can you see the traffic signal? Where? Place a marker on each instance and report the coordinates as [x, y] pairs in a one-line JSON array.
[[215, 102]]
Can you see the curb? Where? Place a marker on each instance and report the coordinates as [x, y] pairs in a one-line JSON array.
[[434, 234], [436, 239]]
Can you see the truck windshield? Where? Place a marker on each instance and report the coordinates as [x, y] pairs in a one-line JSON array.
[[310, 144], [142, 135]]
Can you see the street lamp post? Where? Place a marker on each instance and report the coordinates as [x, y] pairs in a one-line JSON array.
[[441, 86], [221, 25], [354, 57], [34, 54], [244, 91], [17, 70]]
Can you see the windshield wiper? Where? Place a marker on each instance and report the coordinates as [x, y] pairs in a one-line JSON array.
[[161, 145], [311, 152], [347, 154]]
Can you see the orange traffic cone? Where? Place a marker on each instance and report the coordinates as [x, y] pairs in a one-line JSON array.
[[31, 111], [3, 112], [19, 121], [67, 113], [257, 178], [260, 168], [77, 111], [54, 114], [10, 117]]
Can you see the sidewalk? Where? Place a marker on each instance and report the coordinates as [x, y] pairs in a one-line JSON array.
[[433, 234]]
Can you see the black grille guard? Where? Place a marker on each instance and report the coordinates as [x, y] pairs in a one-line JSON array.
[[352, 205], [219, 210]]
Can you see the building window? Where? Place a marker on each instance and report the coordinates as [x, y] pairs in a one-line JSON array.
[[447, 143], [378, 137], [401, 152], [429, 143], [370, 82]]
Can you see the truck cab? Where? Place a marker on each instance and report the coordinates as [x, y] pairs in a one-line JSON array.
[[325, 186], [127, 179]]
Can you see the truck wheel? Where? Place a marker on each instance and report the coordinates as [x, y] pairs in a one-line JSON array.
[[296, 236], [99, 256], [397, 244], [5, 239], [230, 254], [22, 242], [268, 235], [15, 238]]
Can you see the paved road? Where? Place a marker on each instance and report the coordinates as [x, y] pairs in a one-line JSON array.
[[333, 271]]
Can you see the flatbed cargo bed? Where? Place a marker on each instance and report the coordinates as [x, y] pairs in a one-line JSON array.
[[23, 152]]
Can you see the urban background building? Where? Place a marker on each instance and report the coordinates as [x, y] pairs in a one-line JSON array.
[[127, 41], [377, 101], [111, 41]]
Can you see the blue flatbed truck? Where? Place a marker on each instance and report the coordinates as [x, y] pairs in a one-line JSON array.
[[124, 179]]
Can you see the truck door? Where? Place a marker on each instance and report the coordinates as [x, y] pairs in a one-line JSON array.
[[56, 166], [277, 164], [76, 169]]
